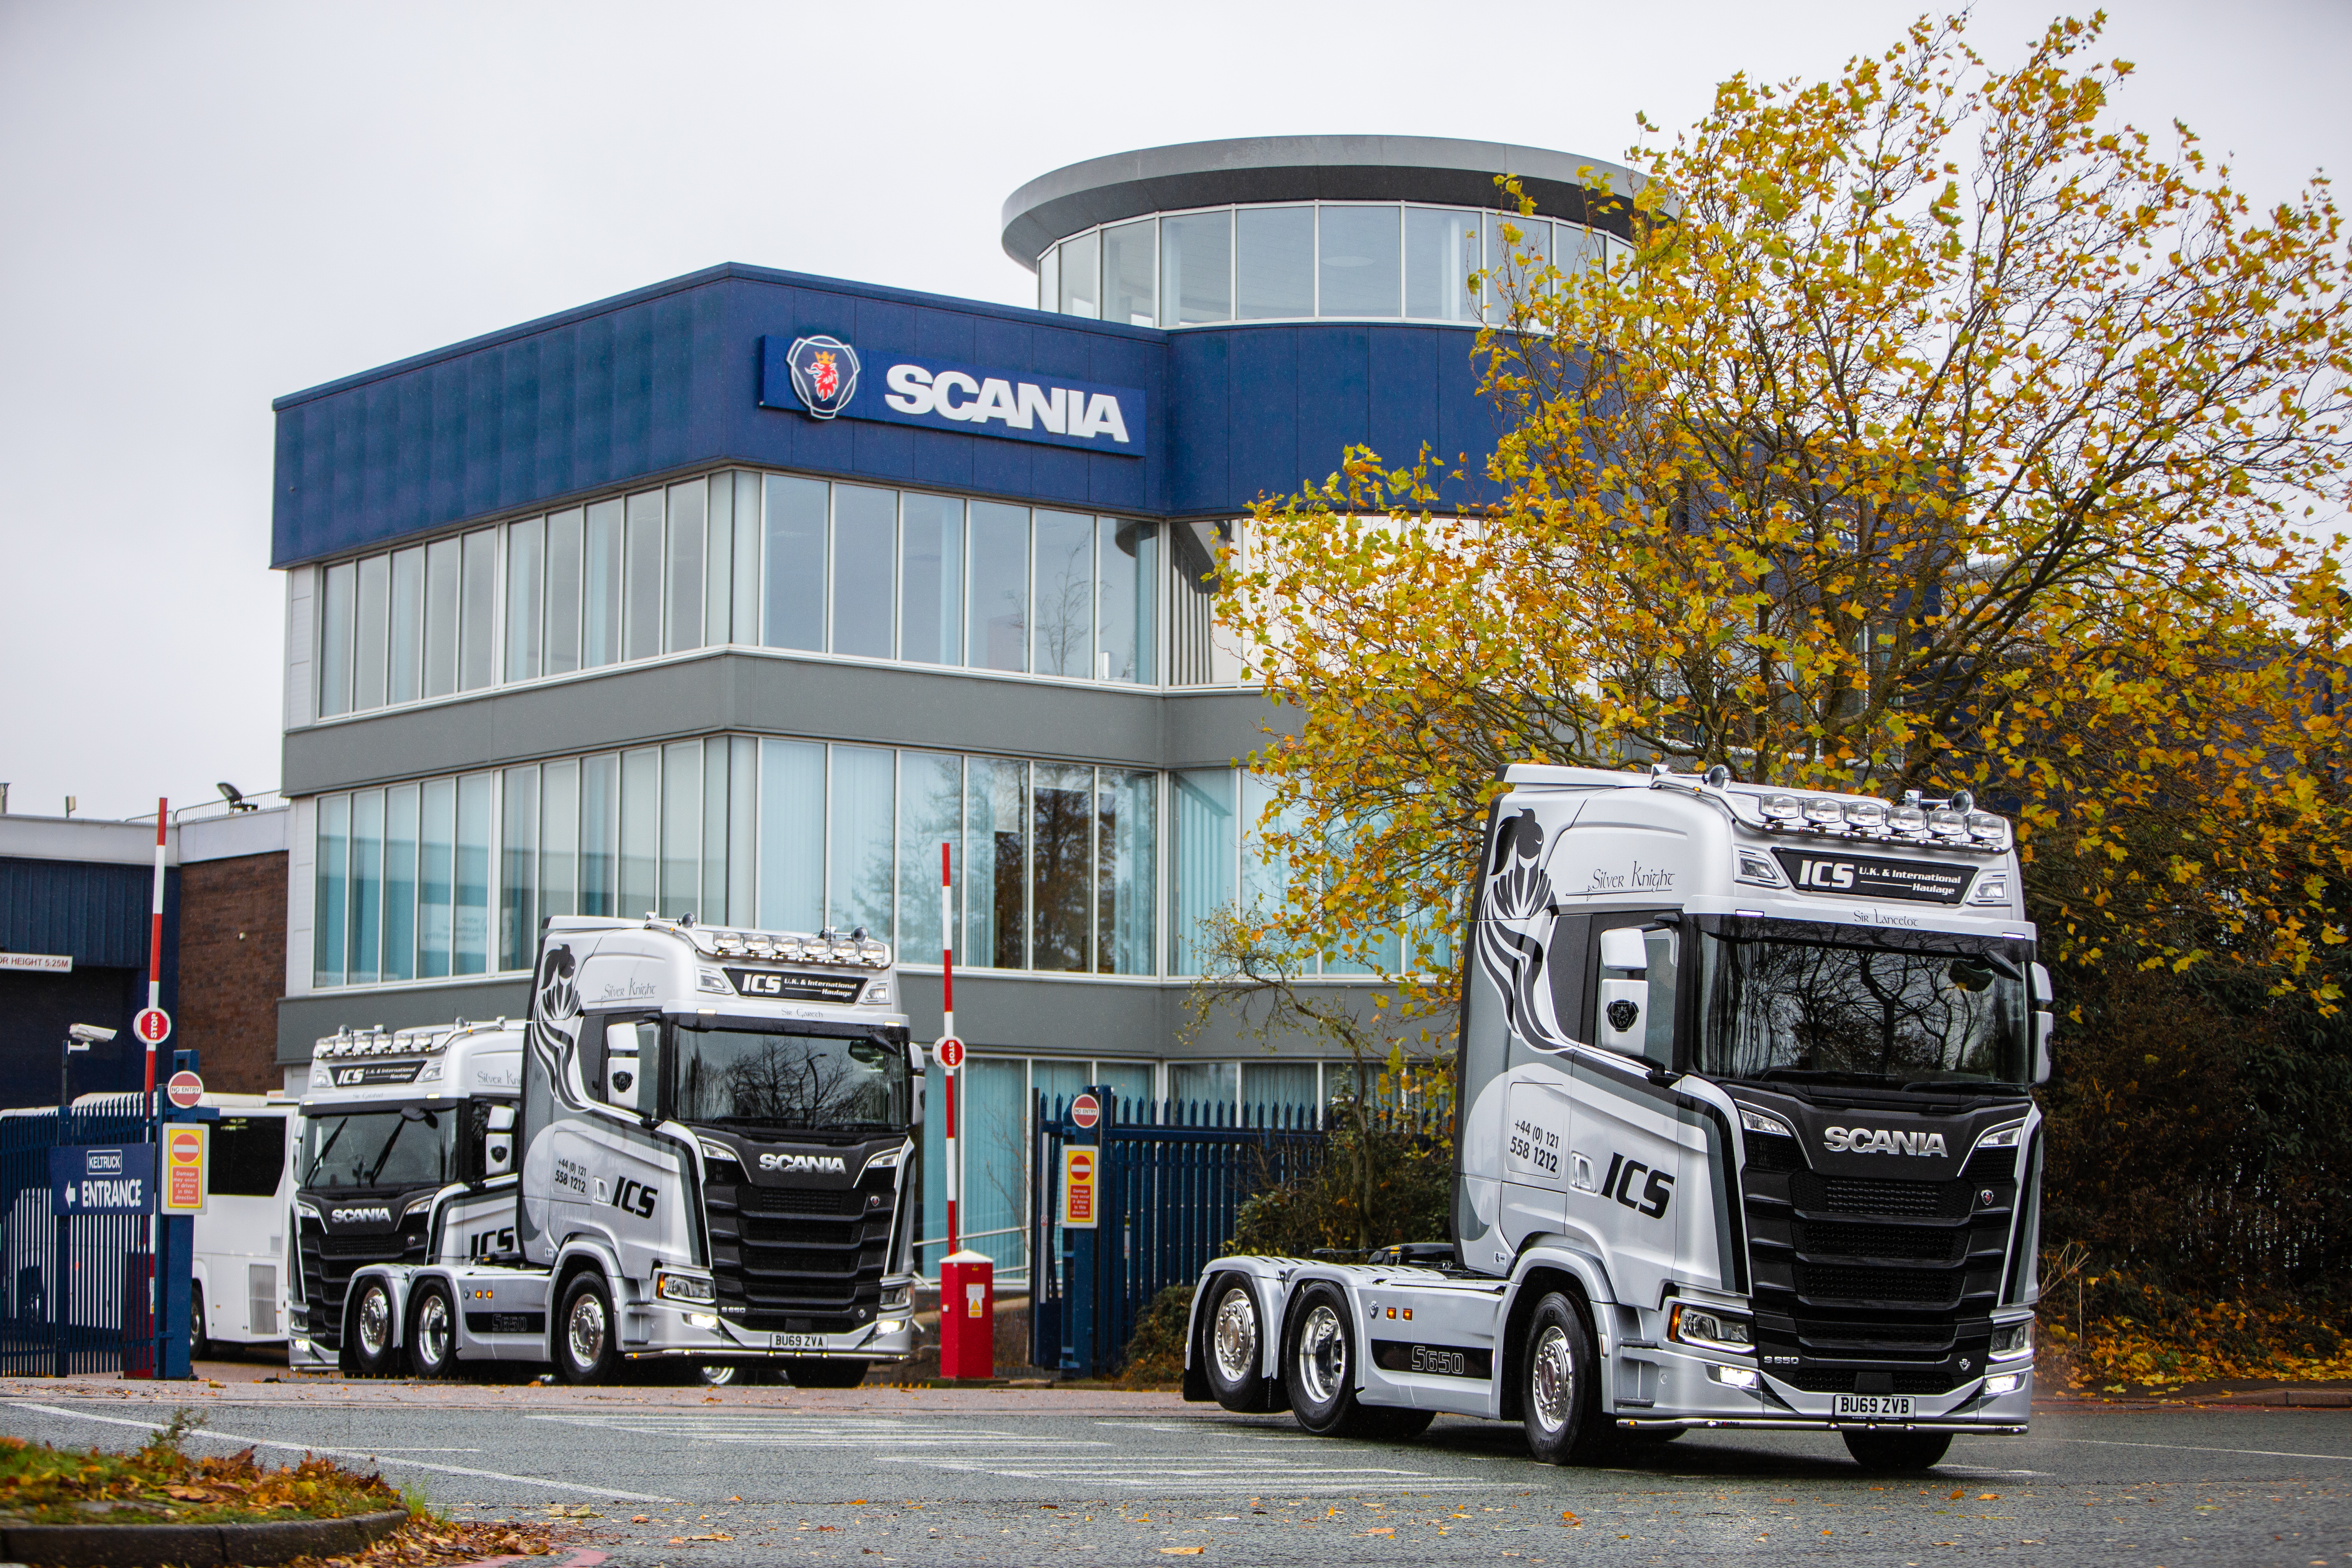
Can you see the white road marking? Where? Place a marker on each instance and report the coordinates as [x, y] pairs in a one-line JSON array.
[[785, 1431], [343, 1453], [2193, 1449]]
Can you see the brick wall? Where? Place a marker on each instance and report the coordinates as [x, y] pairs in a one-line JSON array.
[[233, 969]]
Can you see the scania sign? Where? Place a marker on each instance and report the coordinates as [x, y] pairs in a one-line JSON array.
[[376, 1214], [822, 377], [1879, 1141], [833, 1163]]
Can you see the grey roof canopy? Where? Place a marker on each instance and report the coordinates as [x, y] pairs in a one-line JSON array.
[[1437, 169]]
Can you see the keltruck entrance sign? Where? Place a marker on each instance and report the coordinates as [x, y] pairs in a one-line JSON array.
[[825, 378], [102, 1178]]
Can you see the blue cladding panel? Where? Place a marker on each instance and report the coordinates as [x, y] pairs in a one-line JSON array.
[[668, 379]]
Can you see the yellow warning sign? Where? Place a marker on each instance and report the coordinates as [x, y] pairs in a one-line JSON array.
[[186, 1152], [1080, 1168]]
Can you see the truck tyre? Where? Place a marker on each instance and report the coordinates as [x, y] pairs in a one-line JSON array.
[[200, 1344], [820, 1371], [585, 1330], [1320, 1362], [1233, 1346], [1560, 1385], [725, 1375], [432, 1333], [373, 1352], [1889, 1453]]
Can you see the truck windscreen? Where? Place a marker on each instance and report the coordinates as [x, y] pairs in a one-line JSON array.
[[1793, 1000], [819, 1082], [407, 1147]]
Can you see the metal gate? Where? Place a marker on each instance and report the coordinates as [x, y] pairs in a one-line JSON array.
[[1169, 1191], [79, 1293]]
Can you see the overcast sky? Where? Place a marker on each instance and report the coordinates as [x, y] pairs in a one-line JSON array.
[[203, 206]]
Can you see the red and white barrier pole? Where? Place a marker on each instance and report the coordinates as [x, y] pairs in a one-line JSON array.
[[155, 945], [947, 1032]]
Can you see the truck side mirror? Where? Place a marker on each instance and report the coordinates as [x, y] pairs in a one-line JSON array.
[[2045, 1024], [620, 1086], [501, 1117], [1625, 947], [2041, 986], [497, 1142]]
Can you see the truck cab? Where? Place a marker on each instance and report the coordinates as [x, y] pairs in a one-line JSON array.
[[1745, 1139]]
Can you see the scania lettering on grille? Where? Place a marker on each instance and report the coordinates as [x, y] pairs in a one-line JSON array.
[[833, 1162], [353, 1217], [1880, 1140]]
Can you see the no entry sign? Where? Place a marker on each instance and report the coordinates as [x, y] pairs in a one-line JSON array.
[[153, 1025], [1086, 1111], [950, 1052], [185, 1089], [184, 1157]]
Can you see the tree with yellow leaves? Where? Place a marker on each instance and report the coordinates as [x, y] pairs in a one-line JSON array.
[[1937, 432]]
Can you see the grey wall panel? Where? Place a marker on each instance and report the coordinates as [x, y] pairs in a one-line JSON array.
[[763, 694], [301, 1020]]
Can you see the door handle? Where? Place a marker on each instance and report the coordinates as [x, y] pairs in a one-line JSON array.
[[1581, 1173]]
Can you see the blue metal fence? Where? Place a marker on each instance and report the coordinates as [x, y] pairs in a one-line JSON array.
[[1170, 1189], [79, 1293]]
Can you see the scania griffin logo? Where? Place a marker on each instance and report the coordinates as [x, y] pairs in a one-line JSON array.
[[804, 1163], [1879, 1141], [824, 374], [353, 1217]]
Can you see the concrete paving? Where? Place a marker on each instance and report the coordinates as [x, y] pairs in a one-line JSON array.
[[676, 1478]]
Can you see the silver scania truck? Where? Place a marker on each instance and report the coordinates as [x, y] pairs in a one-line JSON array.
[[698, 1147], [1745, 1139]]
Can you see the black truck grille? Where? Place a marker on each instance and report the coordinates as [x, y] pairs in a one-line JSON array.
[[1888, 1280], [329, 1261], [801, 1259]]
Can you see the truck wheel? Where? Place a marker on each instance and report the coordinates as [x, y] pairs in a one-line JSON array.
[[584, 1332], [1322, 1365], [726, 1374], [1560, 1387], [1233, 1347], [200, 1344], [818, 1372], [372, 1352], [432, 1334], [1887, 1453]]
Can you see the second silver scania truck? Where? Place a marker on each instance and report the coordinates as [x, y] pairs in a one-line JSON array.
[[1745, 1139], [698, 1147]]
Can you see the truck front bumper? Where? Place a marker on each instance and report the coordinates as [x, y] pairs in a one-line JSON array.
[[671, 1331], [1777, 1406]]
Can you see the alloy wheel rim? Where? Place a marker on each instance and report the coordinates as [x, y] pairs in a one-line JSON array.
[[586, 1331], [432, 1330], [1322, 1355], [1235, 1335], [375, 1322], [1551, 1378]]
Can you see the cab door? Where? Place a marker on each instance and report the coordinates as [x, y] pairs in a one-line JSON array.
[[1625, 1156]]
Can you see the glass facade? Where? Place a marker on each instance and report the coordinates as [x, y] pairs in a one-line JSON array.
[[1055, 866], [751, 560], [1299, 260]]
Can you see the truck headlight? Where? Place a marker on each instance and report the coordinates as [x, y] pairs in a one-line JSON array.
[[2005, 1384], [685, 1287], [1756, 1120], [1712, 1330], [2011, 1342]]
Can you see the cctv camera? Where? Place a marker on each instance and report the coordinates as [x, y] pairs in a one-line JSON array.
[[91, 1032]]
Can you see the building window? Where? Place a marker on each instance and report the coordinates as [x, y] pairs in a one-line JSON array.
[[1055, 866], [856, 571], [1342, 260]]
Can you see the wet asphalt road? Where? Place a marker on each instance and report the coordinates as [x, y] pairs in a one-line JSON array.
[[771, 1476]]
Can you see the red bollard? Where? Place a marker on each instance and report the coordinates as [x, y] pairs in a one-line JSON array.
[[968, 1316]]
